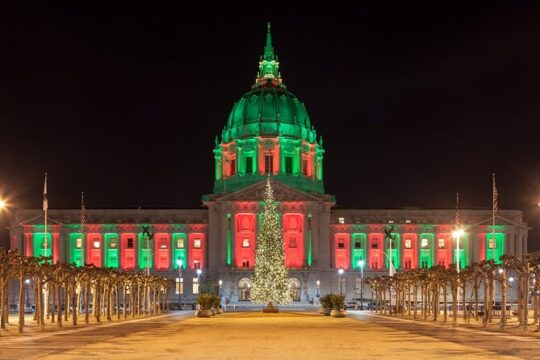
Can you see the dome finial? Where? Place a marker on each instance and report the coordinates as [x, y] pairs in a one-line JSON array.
[[269, 49]]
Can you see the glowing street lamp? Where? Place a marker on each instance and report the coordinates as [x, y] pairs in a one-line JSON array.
[[361, 265], [3, 204]]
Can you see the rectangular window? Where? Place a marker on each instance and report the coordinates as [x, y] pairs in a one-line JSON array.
[[163, 244], [197, 243], [441, 244], [78, 243], [292, 242], [357, 244], [249, 165], [180, 243], [341, 220], [424, 264], [130, 243], [195, 285], [408, 244], [374, 265], [491, 244], [407, 264], [113, 243], [304, 167], [268, 164], [341, 244], [245, 243], [375, 244], [96, 244], [424, 243], [179, 286], [196, 264], [441, 263], [233, 167], [245, 263], [288, 165]]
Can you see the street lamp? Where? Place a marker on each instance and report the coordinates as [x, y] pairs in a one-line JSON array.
[[179, 262], [27, 282], [318, 288], [3, 204], [340, 272], [458, 234], [220, 282], [361, 265]]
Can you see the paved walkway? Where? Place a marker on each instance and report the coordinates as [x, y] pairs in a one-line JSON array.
[[254, 335]]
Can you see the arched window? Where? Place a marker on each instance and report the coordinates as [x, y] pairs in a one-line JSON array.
[[294, 289], [244, 289]]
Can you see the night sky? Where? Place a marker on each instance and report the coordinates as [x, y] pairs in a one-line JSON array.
[[415, 100]]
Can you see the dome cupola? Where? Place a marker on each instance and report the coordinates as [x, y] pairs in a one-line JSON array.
[[268, 132]]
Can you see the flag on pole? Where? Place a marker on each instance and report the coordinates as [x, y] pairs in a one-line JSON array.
[[83, 212], [495, 197], [458, 215], [45, 200]]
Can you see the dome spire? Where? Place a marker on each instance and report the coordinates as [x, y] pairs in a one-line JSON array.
[[268, 65], [269, 49]]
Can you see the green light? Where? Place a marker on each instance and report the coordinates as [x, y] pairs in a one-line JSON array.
[[229, 240], [498, 251], [111, 250], [76, 244], [358, 248], [179, 249]]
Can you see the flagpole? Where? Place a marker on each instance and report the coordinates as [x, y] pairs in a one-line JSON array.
[[45, 209], [493, 217], [83, 221]]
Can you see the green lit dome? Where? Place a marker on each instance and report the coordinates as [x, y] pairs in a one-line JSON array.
[[268, 111]]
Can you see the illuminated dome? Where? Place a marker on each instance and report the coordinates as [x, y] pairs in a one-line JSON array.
[[268, 132]]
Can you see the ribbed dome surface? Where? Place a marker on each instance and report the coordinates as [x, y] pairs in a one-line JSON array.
[[268, 110]]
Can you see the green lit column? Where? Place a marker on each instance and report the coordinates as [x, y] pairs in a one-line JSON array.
[[229, 240]]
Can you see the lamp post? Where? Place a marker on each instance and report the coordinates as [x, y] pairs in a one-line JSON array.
[[220, 282], [179, 262], [361, 265], [340, 272], [318, 288], [27, 283], [458, 234]]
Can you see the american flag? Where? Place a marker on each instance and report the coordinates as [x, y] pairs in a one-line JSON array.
[[458, 215], [45, 199], [83, 212], [495, 196]]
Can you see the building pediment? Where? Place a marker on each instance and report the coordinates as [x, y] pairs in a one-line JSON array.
[[282, 193]]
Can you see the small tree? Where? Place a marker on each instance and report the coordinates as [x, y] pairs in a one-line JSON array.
[[270, 281]]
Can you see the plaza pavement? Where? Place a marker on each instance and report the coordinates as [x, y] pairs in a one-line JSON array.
[[286, 335]]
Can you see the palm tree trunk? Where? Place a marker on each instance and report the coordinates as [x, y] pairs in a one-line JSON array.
[[476, 290], [67, 300], [75, 301], [40, 308], [445, 297], [503, 300], [87, 303], [22, 301], [59, 298], [53, 307]]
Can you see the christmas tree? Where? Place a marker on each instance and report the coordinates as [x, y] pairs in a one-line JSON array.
[[270, 281]]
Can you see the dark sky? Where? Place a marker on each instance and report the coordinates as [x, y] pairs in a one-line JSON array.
[[415, 100]]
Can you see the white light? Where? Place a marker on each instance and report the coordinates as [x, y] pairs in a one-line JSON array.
[[96, 244], [220, 282], [511, 279], [501, 271], [457, 234], [340, 271], [361, 263], [179, 262], [2, 204], [199, 271], [27, 281], [318, 283]]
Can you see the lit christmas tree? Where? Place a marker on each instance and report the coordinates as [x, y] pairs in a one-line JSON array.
[[270, 281]]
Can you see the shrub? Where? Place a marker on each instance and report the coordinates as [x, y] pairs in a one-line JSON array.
[[205, 301], [337, 301], [325, 301]]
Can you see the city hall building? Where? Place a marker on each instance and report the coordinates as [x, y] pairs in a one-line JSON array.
[[268, 133]]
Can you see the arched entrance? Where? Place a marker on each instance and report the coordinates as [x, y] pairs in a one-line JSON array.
[[244, 290], [294, 289]]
